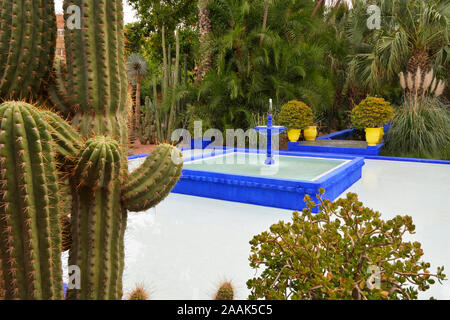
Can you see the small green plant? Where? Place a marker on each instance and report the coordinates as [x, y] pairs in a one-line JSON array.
[[372, 112], [346, 251], [138, 293], [225, 291], [296, 115]]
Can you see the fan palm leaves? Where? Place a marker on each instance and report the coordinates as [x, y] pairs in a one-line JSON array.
[[414, 34]]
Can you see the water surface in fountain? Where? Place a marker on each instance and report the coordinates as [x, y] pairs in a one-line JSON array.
[[252, 164]]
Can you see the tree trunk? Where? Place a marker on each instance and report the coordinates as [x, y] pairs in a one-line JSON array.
[[132, 126], [319, 4], [138, 106], [205, 33], [419, 59], [264, 25]]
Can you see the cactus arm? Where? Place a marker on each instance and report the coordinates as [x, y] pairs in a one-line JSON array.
[[30, 236], [96, 226], [68, 141], [153, 180]]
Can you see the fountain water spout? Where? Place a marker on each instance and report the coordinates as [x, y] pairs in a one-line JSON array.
[[270, 131]]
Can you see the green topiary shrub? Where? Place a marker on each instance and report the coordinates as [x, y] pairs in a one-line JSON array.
[[346, 251], [372, 112], [296, 115]]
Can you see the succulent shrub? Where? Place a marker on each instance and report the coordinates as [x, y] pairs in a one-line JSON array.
[[346, 251], [295, 115], [372, 112], [41, 152], [225, 292]]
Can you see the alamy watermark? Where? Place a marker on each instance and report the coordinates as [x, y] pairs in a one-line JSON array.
[[374, 21], [74, 282], [374, 280], [74, 19]]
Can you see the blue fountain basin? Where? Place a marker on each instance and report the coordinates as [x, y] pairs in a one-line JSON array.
[[220, 175]]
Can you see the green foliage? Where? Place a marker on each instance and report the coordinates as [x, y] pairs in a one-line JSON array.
[[407, 27], [333, 254], [372, 112], [225, 292], [154, 14], [198, 114], [288, 64], [422, 132], [296, 115]]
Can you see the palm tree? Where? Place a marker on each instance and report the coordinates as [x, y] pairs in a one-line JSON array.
[[137, 69], [288, 65], [414, 34]]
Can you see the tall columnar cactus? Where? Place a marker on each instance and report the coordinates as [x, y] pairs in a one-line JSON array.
[[30, 234], [165, 121], [148, 127], [101, 183], [27, 47], [92, 157]]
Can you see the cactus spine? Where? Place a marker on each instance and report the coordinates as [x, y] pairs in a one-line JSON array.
[[92, 154], [27, 47], [30, 235]]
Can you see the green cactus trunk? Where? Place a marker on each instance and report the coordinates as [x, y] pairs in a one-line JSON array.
[[27, 48], [30, 234], [95, 63]]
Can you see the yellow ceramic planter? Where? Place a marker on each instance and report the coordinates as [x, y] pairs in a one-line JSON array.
[[381, 135], [310, 133], [372, 136], [294, 134]]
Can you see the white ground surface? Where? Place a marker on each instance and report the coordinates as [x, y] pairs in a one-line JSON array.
[[183, 248]]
